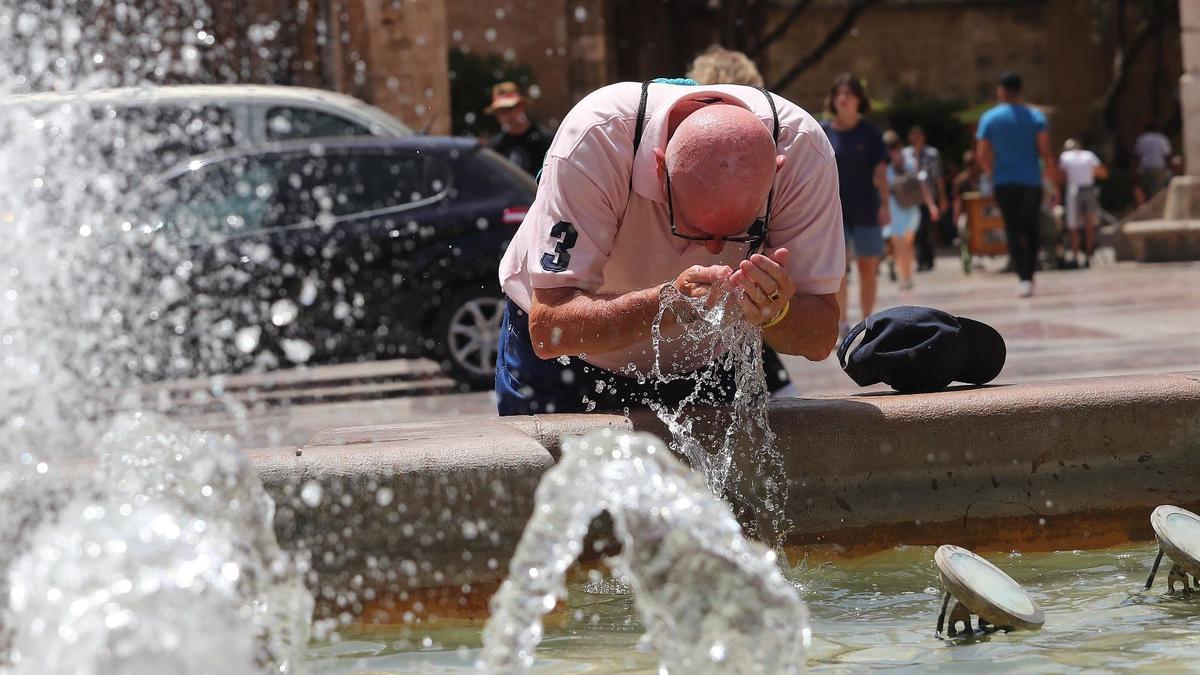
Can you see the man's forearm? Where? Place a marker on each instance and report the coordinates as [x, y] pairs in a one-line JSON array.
[[580, 322], [809, 329]]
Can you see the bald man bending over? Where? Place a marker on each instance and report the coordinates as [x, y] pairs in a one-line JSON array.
[[613, 225]]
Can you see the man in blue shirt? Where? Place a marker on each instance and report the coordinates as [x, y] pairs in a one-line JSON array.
[[1011, 138]]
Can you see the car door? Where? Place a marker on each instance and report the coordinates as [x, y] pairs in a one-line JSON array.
[[383, 201], [224, 275]]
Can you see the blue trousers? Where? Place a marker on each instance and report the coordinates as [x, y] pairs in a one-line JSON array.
[[529, 385]]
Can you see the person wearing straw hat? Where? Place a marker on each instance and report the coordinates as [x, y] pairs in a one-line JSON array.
[[520, 140]]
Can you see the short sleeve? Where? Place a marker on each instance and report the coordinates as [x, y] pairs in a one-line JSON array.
[[807, 220], [981, 132], [936, 163], [879, 153], [1039, 120], [570, 228]]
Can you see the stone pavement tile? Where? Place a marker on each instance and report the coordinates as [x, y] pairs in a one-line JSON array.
[[1114, 319], [1110, 320]]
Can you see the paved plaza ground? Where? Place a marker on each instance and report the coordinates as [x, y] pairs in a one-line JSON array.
[[1112, 319]]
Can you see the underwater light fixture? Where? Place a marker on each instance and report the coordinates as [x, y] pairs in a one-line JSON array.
[[981, 589], [1178, 534]]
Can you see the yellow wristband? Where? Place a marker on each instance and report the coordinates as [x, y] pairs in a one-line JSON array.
[[779, 317]]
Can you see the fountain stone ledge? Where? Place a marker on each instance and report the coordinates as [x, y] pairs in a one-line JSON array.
[[1040, 466], [417, 522]]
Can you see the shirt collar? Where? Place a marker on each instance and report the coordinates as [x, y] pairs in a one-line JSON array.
[[645, 178]]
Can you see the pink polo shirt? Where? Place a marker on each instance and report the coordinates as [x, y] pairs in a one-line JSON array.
[[619, 241]]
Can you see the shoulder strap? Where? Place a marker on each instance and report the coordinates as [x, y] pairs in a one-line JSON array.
[[641, 117], [774, 113], [775, 136], [639, 127]]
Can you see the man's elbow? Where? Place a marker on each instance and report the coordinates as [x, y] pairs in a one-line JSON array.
[[545, 335], [823, 345], [826, 336]]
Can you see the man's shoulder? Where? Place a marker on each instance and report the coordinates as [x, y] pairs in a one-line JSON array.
[[608, 112], [807, 132], [992, 113]]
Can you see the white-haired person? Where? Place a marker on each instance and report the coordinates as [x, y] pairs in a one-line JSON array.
[[1080, 169]]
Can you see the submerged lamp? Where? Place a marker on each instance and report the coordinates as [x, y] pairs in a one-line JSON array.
[[1178, 534], [981, 589]]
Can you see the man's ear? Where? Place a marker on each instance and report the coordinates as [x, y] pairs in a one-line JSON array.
[[780, 160], [660, 164]]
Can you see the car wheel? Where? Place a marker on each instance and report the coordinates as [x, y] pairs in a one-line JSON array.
[[468, 333]]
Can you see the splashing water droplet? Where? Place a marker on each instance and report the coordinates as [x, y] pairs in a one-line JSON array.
[[311, 494], [247, 338], [297, 351], [283, 312], [384, 496]]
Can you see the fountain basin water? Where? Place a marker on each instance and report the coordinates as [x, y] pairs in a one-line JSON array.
[[871, 612]]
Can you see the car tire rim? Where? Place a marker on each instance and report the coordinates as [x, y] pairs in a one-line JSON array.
[[474, 333]]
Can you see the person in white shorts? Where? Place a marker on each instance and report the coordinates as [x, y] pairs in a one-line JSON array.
[[1080, 169], [651, 186]]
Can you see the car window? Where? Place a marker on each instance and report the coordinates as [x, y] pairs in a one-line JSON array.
[[247, 194], [222, 200], [165, 135], [483, 174], [286, 122], [342, 185]]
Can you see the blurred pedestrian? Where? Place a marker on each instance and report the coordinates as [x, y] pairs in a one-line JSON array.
[[1080, 168], [1011, 138], [521, 141], [925, 161], [907, 193], [862, 183], [967, 180], [717, 65], [1152, 150]]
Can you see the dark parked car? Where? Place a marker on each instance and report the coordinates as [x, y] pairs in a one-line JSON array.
[[335, 250]]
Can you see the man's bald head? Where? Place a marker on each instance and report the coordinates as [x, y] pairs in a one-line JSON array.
[[722, 161]]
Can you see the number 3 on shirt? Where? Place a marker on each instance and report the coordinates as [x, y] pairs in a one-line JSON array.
[[566, 235]]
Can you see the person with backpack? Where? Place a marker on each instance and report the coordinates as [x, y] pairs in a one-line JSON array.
[[907, 193], [655, 190]]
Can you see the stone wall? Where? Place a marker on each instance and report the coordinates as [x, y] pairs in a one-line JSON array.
[[563, 42], [407, 57], [955, 52], [1189, 88], [389, 53]]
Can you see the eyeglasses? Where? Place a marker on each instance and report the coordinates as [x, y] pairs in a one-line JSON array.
[[756, 234]]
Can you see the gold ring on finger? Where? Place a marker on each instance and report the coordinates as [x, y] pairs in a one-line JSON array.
[[774, 295]]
